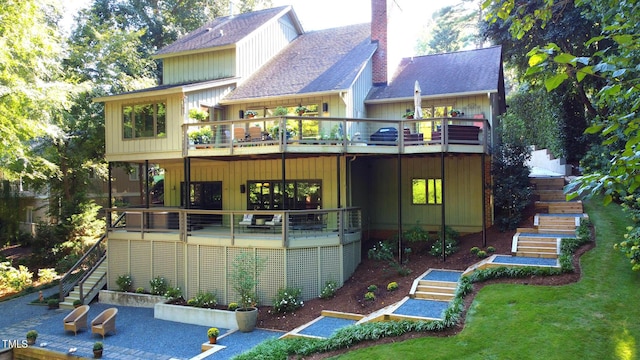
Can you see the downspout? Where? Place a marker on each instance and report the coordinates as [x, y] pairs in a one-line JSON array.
[[109, 194], [442, 231], [399, 174]]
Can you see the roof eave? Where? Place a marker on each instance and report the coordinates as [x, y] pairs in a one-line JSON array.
[[178, 89], [193, 52], [281, 97]]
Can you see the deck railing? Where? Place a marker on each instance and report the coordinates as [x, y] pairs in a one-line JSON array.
[[346, 135], [282, 226]]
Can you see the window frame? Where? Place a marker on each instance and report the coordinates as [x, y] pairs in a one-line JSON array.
[[432, 191], [131, 112]]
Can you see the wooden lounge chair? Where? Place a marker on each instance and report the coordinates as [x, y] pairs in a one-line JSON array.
[[255, 133], [77, 319], [239, 134], [104, 322], [247, 219]]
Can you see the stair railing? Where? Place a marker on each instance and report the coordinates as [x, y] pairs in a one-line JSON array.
[[84, 266]]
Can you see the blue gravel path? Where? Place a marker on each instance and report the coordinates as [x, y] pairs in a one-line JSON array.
[[522, 260], [422, 308], [326, 326], [440, 275], [139, 335]]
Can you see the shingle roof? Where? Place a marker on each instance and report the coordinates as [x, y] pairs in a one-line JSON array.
[[472, 71], [317, 61], [222, 31]]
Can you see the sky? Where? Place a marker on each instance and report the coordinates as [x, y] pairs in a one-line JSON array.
[[407, 17]]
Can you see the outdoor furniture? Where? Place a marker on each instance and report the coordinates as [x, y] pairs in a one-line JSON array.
[[277, 220], [459, 134], [77, 319], [408, 136], [104, 322], [247, 219], [255, 133], [239, 134]]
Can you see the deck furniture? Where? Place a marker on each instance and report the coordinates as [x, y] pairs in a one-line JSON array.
[[277, 220], [412, 137], [77, 319], [104, 322], [239, 134], [459, 134], [247, 219]]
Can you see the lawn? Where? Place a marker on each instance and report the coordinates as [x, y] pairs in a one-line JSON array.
[[595, 318]]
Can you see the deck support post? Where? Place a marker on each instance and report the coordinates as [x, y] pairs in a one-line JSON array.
[[442, 229], [399, 174]]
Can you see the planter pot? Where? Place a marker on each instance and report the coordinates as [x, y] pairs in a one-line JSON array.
[[247, 319], [31, 341], [97, 354], [213, 340]]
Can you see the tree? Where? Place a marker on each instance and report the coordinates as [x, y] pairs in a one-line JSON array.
[[614, 61], [450, 29]]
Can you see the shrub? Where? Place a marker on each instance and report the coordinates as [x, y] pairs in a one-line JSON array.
[[329, 290], [491, 250], [213, 332], [372, 288], [158, 285], [140, 290], [204, 300], [288, 300], [369, 296], [474, 250], [482, 254], [17, 279], [416, 234], [392, 286], [124, 282], [173, 293], [451, 246], [77, 302], [383, 251], [232, 306], [97, 346], [47, 275]]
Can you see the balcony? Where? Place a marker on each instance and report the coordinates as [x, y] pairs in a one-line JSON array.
[[313, 135], [289, 229]]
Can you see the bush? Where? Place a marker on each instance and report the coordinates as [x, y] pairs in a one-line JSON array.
[[158, 285], [17, 279], [451, 246], [392, 286], [482, 254], [204, 300], [47, 275], [372, 288], [124, 282], [474, 250], [232, 306], [173, 294], [288, 300], [383, 251], [329, 290], [491, 250], [369, 296], [140, 290]]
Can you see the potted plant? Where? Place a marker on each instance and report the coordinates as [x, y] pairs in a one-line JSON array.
[[201, 136], [213, 333], [32, 335], [97, 349], [77, 303], [408, 115], [244, 275], [53, 303], [281, 111], [455, 113], [300, 110], [198, 114], [251, 114]]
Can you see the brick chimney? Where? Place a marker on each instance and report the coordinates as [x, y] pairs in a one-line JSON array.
[[379, 36]]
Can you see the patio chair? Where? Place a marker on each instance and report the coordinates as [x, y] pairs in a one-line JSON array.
[[247, 219], [255, 133], [239, 134], [77, 319], [104, 322], [277, 220]]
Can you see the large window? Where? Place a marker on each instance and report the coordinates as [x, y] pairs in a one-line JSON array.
[[426, 191], [298, 195], [144, 120]]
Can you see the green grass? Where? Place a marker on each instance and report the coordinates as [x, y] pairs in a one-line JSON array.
[[595, 318]]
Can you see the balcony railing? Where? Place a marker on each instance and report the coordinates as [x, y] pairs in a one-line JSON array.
[[339, 135], [280, 228]]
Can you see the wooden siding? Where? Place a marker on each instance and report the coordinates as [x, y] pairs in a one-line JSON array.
[[337, 107], [378, 199], [258, 48], [212, 65], [212, 96], [470, 105], [234, 173], [119, 149], [359, 92]]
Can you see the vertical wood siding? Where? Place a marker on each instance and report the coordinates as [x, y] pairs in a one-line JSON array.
[[212, 65]]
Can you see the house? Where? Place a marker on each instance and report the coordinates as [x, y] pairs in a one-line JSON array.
[[303, 154]]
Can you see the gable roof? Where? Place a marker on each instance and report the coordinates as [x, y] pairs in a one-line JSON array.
[[224, 31], [316, 62], [457, 73]]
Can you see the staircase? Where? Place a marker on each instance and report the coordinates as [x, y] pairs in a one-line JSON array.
[[435, 290], [560, 220], [87, 289]]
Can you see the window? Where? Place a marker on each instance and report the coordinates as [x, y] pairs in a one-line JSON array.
[[299, 195], [134, 174], [426, 191], [144, 120], [436, 111]]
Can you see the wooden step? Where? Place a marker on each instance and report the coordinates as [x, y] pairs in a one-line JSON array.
[[550, 195], [557, 182], [429, 295], [536, 254], [436, 283], [538, 249], [568, 207], [438, 289]]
